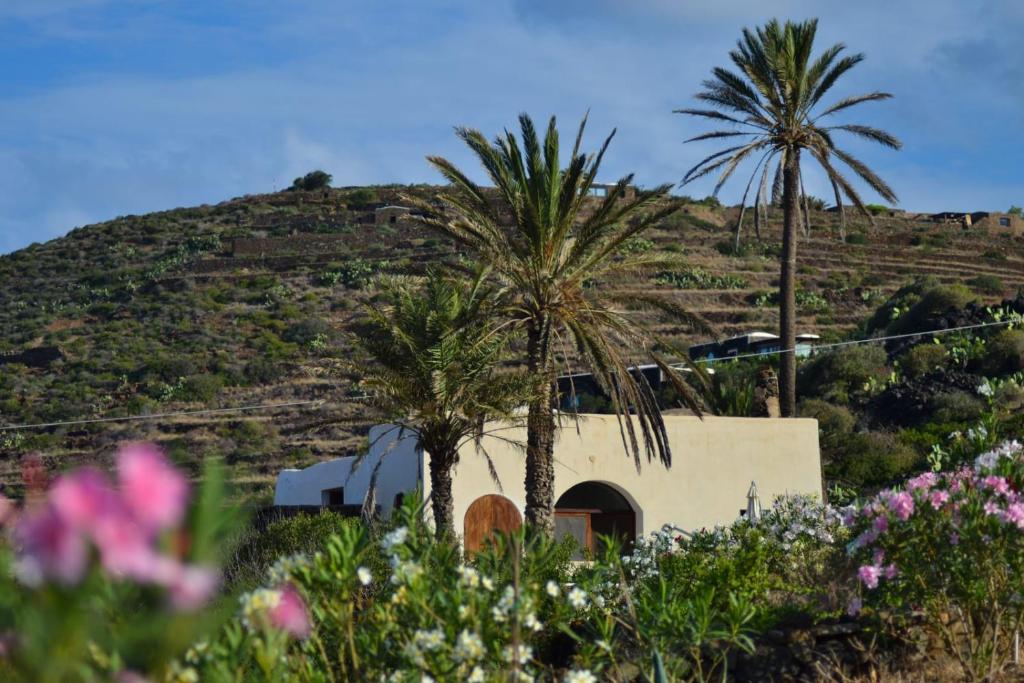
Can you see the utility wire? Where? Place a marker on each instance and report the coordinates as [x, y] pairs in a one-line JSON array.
[[853, 342], [207, 411], [271, 406]]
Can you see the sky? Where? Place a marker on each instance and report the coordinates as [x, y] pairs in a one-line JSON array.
[[116, 107]]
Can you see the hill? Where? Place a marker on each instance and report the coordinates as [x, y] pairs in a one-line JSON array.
[[248, 302]]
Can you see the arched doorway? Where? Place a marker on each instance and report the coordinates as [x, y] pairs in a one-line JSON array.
[[486, 515], [592, 509]]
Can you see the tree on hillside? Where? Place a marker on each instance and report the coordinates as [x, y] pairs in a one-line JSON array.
[[772, 102], [314, 180], [435, 372], [549, 244]]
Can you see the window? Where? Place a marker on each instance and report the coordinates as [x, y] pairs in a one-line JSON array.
[[333, 497], [1004, 221], [393, 220], [599, 191]]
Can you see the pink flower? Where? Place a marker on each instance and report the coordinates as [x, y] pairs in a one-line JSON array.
[[878, 556], [954, 538], [991, 508], [49, 548], [891, 572], [854, 607], [151, 488], [902, 505], [125, 547], [868, 575], [83, 498], [938, 499], [849, 516], [997, 484], [881, 524], [1015, 514], [290, 614], [193, 586], [923, 481]]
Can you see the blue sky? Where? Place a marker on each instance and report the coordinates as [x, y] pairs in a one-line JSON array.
[[114, 107]]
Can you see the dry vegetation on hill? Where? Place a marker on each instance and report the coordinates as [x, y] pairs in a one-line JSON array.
[[165, 312]]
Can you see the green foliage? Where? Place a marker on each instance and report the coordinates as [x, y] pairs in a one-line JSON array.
[[956, 407], [950, 547], [987, 284], [698, 278], [840, 374], [806, 301], [255, 550], [314, 180], [1004, 353], [356, 273], [933, 301], [636, 245], [361, 198], [922, 359], [1015, 211], [877, 209]]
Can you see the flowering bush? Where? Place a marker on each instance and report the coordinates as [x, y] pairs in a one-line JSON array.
[[97, 577], [951, 544], [431, 616]]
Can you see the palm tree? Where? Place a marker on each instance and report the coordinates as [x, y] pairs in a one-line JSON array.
[[436, 373], [772, 103], [547, 242]]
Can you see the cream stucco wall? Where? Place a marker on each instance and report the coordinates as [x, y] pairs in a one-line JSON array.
[[713, 462]]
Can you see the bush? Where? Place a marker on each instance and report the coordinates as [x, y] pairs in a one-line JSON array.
[[307, 330], [200, 388], [933, 302], [1004, 353], [870, 460], [988, 284], [314, 180], [842, 373], [923, 359], [256, 550], [950, 545], [956, 407]]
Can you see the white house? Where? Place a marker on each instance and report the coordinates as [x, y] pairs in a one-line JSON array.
[[598, 488]]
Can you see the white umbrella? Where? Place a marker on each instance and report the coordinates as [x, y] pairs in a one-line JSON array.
[[753, 503]]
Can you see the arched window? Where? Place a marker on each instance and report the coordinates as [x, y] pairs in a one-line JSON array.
[[486, 515]]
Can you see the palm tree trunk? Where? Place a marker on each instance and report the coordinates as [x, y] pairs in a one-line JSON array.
[[787, 282], [540, 434], [441, 495]]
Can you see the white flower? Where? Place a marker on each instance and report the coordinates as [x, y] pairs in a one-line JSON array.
[[522, 653], [406, 572], [577, 597], [604, 645], [985, 389], [463, 611], [469, 577], [580, 676], [365, 577], [426, 679], [476, 675], [552, 589], [469, 646], [487, 583], [396, 537], [429, 640], [531, 622]]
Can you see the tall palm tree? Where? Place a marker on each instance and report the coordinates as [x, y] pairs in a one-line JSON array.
[[436, 373], [548, 243], [772, 102]]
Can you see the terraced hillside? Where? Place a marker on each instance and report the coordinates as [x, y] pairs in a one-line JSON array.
[[248, 302]]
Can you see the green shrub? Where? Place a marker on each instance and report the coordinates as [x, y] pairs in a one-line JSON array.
[[201, 388], [934, 301], [841, 373], [255, 550], [988, 284], [314, 180], [307, 330], [957, 407], [922, 359], [857, 238], [871, 460], [1004, 353], [698, 278]]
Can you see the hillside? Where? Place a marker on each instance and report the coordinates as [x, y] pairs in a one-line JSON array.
[[247, 302]]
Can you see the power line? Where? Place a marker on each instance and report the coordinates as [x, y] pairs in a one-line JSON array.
[[854, 342], [154, 416]]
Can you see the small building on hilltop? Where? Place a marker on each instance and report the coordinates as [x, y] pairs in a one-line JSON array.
[[762, 343], [598, 488], [991, 221]]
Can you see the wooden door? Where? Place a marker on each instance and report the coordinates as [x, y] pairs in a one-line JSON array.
[[486, 515]]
